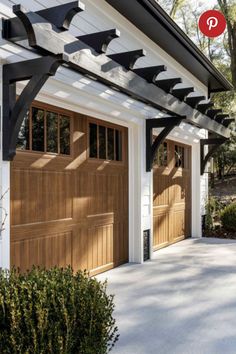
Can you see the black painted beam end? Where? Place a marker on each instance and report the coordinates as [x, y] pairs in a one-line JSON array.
[[150, 73], [194, 100], [168, 84], [128, 59], [99, 41], [203, 107], [227, 122], [182, 93], [212, 113]]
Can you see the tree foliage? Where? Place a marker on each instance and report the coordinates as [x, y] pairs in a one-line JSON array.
[[221, 51]]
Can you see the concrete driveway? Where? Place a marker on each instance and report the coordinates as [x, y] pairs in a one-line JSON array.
[[182, 302]]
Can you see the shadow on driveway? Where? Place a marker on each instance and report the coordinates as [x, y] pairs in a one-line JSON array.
[[183, 301]]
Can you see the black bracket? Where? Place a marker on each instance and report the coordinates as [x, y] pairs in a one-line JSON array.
[[128, 59], [212, 113], [168, 84], [227, 122], [221, 117], [37, 71], [150, 73], [19, 28], [99, 41], [215, 144], [204, 107], [194, 100], [182, 93], [168, 124]]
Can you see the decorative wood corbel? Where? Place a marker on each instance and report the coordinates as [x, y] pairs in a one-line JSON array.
[[128, 59], [99, 41], [212, 113], [168, 84], [194, 100], [182, 93], [204, 107], [37, 71], [20, 27], [150, 73], [168, 124], [213, 144]]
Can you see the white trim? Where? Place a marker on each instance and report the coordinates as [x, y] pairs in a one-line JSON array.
[[196, 192], [5, 235], [5, 203]]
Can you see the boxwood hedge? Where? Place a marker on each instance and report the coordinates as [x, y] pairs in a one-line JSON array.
[[55, 312]]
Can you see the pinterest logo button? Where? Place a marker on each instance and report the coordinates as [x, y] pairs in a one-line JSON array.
[[212, 23]]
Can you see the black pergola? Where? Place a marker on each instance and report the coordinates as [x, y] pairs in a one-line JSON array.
[[47, 34]]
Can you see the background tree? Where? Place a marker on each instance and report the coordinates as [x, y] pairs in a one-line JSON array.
[[221, 51]]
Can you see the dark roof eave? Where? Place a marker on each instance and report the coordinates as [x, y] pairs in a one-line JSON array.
[[147, 15]]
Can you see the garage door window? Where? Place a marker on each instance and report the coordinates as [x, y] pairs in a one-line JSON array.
[[161, 157], [179, 156], [105, 143], [45, 131]]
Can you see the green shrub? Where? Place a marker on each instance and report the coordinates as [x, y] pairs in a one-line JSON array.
[[55, 312], [211, 209], [228, 217]]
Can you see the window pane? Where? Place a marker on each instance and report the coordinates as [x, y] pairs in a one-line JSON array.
[[52, 132], [118, 145], [37, 129], [110, 136], [183, 158], [93, 150], [23, 137], [179, 156], [161, 156], [102, 142], [65, 135]]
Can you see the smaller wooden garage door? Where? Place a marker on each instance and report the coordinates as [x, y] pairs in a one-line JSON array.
[[69, 192], [172, 194]]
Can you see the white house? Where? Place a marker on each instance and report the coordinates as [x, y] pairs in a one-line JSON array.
[[105, 119]]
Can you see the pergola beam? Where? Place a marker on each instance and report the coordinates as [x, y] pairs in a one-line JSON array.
[[45, 37]]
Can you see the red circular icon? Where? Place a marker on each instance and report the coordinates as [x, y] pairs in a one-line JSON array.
[[212, 23]]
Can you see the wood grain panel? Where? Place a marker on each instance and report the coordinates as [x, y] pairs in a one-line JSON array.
[[70, 209], [45, 251], [172, 200]]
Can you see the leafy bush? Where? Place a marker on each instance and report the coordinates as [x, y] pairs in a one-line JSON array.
[[228, 217], [211, 208], [55, 312]]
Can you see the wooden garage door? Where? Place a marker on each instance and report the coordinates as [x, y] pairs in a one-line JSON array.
[[172, 194], [69, 192]]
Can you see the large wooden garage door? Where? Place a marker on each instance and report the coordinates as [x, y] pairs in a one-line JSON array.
[[69, 192], [172, 194]]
